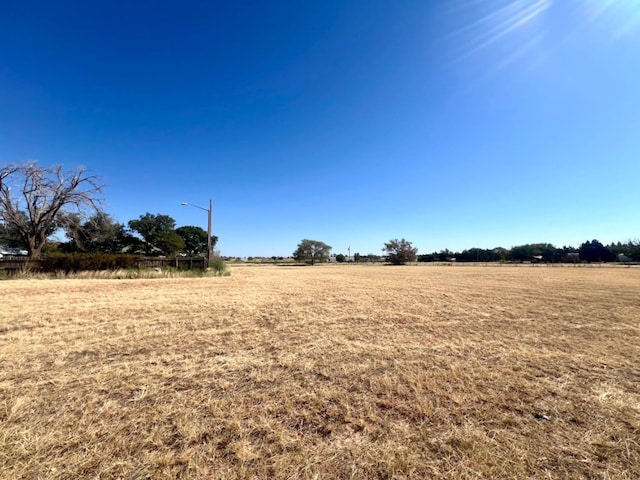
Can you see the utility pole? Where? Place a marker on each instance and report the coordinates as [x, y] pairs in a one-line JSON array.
[[209, 245], [209, 215]]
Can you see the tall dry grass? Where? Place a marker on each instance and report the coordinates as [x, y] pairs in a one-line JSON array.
[[324, 372]]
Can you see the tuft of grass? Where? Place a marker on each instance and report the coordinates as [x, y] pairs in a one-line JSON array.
[[218, 266]]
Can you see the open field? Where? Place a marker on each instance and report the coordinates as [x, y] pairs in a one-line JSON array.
[[324, 372]]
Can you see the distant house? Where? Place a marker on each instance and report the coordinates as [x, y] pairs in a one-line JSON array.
[[6, 251], [333, 259], [622, 258], [572, 257]]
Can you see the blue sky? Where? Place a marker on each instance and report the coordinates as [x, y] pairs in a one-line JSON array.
[[454, 124]]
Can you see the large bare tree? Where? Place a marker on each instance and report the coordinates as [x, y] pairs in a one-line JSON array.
[[35, 200]]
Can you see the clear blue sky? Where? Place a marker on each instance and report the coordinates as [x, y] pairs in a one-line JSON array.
[[452, 123]]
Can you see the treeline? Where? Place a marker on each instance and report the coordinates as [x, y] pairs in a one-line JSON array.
[[148, 235], [38, 202], [589, 251], [402, 252]]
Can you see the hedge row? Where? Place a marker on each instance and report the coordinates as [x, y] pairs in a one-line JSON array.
[[78, 262]]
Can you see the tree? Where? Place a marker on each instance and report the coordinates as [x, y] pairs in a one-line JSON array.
[[312, 250], [400, 251], [340, 258], [195, 240], [594, 251], [478, 255], [48, 194], [443, 255], [100, 233], [372, 257], [531, 251], [633, 249], [10, 236], [158, 234], [630, 249]]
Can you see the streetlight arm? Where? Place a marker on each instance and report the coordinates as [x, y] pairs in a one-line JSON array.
[[209, 212], [185, 204]]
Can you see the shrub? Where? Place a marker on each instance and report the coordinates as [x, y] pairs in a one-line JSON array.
[[219, 268], [78, 262]]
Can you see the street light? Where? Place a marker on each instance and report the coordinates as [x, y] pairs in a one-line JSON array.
[[209, 212]]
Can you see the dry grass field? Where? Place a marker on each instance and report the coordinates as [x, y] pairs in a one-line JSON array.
[[324, 372]]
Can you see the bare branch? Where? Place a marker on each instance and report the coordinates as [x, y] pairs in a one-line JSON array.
[[48, 195]]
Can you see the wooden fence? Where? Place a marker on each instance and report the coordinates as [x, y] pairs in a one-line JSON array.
[[175, 262], [15, 264]]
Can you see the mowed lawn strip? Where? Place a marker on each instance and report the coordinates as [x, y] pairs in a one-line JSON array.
[[343, 371]]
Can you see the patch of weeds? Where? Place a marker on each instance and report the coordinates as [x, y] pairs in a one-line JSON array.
[[218, 267]]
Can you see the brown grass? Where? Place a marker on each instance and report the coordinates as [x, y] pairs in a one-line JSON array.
[[324, 372]]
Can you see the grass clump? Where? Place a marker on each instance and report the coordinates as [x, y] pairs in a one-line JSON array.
[[218, 267]]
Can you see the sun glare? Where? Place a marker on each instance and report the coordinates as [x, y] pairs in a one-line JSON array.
[[495, 35], [619, 18], [498, 34], [498, 22], [509, 18]]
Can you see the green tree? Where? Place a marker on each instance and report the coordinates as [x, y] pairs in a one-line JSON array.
[[478, 255], [400, 252], [10, 236], [312, 250], [340, 258], [530, 251], [100, 233], [372, 257], [630, 249], [427, 257], [35, 200], [443, 255], [158, 234], [594, 251], [195, 240]]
